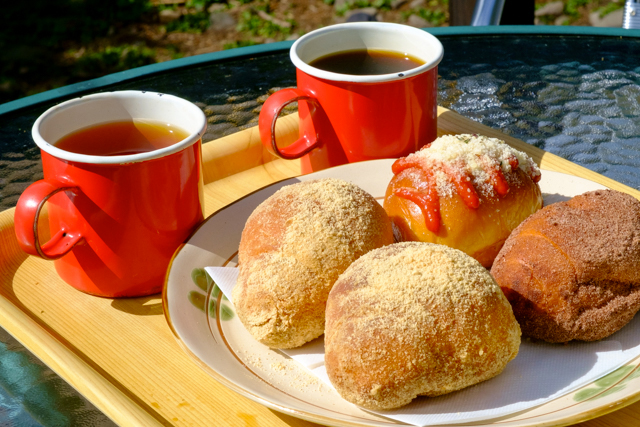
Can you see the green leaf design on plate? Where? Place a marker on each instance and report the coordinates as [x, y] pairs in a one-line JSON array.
[[614, 376], [212, 308], [201, 278], [216, 291], [197, 299], [203, 281], [634, 374], [600, 390], [611, 391], [586, 394], [226, 312]]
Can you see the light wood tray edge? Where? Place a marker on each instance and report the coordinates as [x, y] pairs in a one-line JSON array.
[[78, 372]]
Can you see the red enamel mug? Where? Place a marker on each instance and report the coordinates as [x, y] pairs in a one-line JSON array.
[[115, 220], [348, 118]]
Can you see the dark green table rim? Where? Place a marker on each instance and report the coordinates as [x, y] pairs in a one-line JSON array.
[[279, 47]]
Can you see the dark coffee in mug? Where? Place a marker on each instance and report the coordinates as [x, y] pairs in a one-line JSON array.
[[361, 108], [367, 62]]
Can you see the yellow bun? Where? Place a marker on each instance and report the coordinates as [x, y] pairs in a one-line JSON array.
[[293, 248], [479, 232], [414, 319]]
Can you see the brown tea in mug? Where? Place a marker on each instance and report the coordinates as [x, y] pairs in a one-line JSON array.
[[121, 138], [367, 62]]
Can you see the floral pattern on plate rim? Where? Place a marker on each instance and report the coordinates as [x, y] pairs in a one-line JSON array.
[[204, 282], [609, 384]]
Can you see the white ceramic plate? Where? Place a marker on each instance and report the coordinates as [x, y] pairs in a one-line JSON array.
[[222, 346]]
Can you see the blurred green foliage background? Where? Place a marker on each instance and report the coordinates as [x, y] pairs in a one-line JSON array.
[[46, 44], [34, 35]]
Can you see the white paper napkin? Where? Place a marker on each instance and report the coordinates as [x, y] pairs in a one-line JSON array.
[[540, 373]]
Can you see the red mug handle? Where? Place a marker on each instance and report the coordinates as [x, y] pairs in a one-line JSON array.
[[267, 123], [26, 218]]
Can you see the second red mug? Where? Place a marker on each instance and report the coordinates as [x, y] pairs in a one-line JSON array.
[[347, 118]]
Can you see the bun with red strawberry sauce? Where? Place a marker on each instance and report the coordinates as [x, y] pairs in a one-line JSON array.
[[467, 192]]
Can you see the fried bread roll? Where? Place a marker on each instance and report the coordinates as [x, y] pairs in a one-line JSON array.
[[571, 271], [293, 248], [467, 192], [415, 319]]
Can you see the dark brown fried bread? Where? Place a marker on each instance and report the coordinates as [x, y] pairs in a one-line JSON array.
[[571, 271]]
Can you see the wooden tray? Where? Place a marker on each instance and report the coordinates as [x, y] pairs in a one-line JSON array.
[[122, 355]]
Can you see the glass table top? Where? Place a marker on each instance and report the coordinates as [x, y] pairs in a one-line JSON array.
[[575, 96]]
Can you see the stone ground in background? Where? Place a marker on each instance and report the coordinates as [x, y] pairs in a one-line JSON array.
[[235, 23], [553, 12]]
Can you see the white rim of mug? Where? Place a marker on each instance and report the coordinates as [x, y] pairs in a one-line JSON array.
[[131, 158], [429, 39]]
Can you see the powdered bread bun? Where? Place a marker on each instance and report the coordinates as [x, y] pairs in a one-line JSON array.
[[467, 192], [571, 270], [414, 319], [293, 248]]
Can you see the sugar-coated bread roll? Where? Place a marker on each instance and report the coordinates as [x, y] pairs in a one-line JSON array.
[[293, 248], [467, 192], [414, 319], [571, 270]]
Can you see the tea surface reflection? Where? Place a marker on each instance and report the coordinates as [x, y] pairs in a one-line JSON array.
[[121, 138]]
